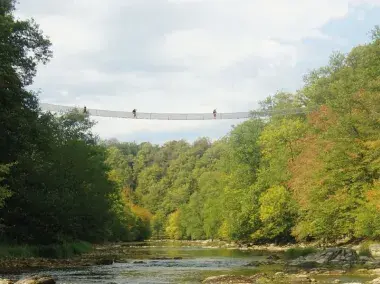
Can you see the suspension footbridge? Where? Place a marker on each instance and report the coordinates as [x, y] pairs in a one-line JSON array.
[[173, 116]]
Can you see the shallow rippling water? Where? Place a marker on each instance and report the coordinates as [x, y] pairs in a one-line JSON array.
[[196, 263]]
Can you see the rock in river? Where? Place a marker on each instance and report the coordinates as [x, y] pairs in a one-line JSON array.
[[375, 281], [104, 261], [37, 280], [375, 250], [227, 279], [330, 256], [235, 279]]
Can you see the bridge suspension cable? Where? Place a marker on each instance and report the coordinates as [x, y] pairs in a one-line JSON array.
[[174, 116]]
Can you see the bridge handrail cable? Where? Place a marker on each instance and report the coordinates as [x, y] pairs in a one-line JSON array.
[[174, 116]]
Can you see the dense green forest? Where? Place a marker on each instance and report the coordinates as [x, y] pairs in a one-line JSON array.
[[55, 184], [299, 177]]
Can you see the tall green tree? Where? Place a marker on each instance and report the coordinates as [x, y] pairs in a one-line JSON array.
[[22, 48]]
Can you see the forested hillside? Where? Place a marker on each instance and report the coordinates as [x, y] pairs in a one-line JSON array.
[[300, 177], [54, 183]]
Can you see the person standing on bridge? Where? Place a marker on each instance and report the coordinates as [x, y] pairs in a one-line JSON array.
[[134, 113], [214, 112]]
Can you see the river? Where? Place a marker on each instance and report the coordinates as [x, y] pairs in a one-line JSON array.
[[169, 262]]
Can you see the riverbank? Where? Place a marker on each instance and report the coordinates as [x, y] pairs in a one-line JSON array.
[[328, 265], [53, 251], [302, 262], [338, 276], [197, 261], [28, 261], [373, 247], [29, 258]]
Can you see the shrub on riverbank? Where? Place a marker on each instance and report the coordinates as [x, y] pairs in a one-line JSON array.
[[296, 252], [65, 250], [364, 249]]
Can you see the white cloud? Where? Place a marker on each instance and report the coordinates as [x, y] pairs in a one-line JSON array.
[[177, 55], [71, 35]]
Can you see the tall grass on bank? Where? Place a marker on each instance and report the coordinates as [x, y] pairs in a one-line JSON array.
[[364, 249], [65, 250], [296, 252]]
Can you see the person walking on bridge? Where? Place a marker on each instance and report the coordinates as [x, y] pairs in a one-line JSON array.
[[214, 112], [134, 113]]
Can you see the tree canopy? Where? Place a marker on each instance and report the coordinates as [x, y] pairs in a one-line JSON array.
[[292, 177], [55, 179]]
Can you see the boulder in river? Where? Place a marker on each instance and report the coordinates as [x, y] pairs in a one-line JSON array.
[[273, 257], [236, 279], [263, 262], [375, 281], [104, 261], [166, 258], [331, 256], [375, 271], [301, 278], [227, 279], [37, 280], [375, 250]]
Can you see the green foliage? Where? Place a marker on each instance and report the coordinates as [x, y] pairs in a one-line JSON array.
[[296, 252], [304, 176], [367, 223], [173, 228], [121, 171], [278, 212], [158, 225], [193, 218], [64, 250], [71, 201], [375, 33], [55, 184], [4, 192], [22, 47], [364, 249]]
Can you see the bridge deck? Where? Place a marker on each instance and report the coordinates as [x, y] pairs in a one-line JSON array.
[[170, 116]]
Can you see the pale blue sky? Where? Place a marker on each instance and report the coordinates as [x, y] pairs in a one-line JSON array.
[[187, 55]]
